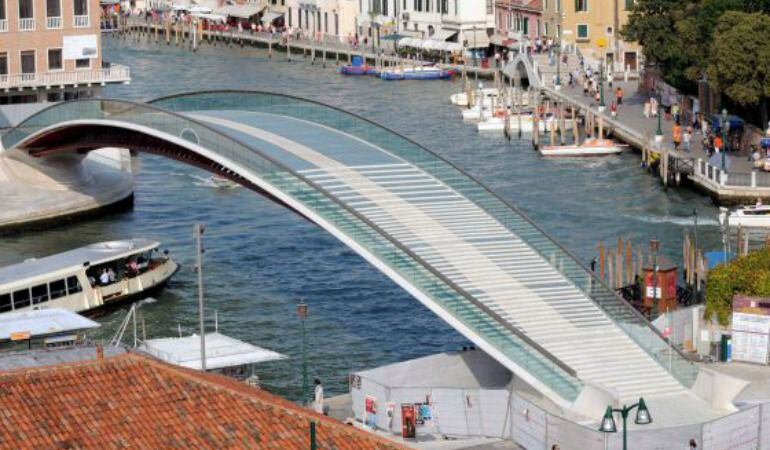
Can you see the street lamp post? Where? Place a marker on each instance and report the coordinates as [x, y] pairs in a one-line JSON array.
[[654, 244], [475, 62], [642, 418], [302, 314], [601, 85], [725, 126]]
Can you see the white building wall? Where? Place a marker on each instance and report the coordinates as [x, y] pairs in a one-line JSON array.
[[327, 17], [460, 16]]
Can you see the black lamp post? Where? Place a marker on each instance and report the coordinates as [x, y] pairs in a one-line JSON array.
[[725, 125], [642, 418]]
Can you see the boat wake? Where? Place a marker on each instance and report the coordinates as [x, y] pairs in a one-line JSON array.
[[684, 221], [214, 183]]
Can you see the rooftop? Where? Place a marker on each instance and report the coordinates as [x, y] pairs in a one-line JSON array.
[[221, 351], [42, 322], [137, 401], [93, 254]]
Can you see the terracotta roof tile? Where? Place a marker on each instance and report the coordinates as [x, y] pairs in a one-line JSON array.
[[131, 400]]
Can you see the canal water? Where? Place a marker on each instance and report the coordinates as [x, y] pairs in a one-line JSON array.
[[260, 258]]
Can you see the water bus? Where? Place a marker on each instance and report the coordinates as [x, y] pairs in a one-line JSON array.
[[754, 216], [87, 279]]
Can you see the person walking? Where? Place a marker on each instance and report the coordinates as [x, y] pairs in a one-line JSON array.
[[619, 96], [687, 139], [676, 135], [318, 397]]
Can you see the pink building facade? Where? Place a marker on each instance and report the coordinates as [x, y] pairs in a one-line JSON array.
[[519, 18]]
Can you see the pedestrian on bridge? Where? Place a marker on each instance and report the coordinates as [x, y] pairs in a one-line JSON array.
[[676, 135]]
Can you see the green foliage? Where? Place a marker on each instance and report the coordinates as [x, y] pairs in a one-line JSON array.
[[749, 275], [740, 57]]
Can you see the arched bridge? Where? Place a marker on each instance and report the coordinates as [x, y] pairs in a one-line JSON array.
[[473, 259]]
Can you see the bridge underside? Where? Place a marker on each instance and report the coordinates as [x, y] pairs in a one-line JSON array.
[[468, 256]]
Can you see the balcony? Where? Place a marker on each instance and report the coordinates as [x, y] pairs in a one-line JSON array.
[[53, 22], [27, 24], [81, 22], [112, 74], [3, 25]]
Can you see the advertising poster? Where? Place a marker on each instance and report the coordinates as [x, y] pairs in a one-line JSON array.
[[371, 411]]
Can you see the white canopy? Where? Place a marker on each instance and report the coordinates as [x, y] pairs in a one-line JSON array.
[[442, 35], [240, 11], [430, 44], [270, 16], [221, 351], [41, 322]]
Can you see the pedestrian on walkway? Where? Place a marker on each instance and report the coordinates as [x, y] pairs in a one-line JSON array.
[[653, 107], [687, 139], [646, 109], [585, 87], [675, 112], [619, 96], [318, 397], [614, 109], [693, 444], [571, 82], [676, 135], [717, 144]]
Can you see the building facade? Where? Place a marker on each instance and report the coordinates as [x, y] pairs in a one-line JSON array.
[[468, 22], [519, 19], [328, 19], [593, 25], [50, 50]]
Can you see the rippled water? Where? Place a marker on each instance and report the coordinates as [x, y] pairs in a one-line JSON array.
[[261, 258]]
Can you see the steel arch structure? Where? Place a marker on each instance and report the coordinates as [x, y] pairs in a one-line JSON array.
[[472, 258]]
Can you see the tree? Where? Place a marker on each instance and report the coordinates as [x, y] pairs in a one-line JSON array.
[[739, 63]]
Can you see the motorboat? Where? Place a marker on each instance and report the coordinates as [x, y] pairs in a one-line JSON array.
[[756, 216], [349, 69], [461, 98], [416, 73], [589, 147], [526, 124], [475, 113], [87, 278]]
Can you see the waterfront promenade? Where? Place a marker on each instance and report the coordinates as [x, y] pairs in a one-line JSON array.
[[740, 183]]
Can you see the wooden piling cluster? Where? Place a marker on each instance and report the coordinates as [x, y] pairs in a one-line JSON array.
[[618, 266]]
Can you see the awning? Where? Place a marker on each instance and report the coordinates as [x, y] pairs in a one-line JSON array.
[[503, 41], [270, 16], [430, 44], [442, 35], [240, 11], [210, 17]]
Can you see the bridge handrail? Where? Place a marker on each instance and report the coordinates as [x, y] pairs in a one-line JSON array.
[[25, 129], [617, 308]]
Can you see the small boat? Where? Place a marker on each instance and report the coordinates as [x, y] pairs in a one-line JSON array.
[[589, 147], [416, 73], [88, 278], [497, 123], [756, 216], [475, 113], [461, 98], [222, 182], [358, 66]]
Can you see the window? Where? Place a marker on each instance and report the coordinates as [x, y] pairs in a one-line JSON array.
[[545, 28], [545, 5], [21, 299], [609, 31], [558, 5], [39, 294], [25, 9], [385, 7], [5, 302], [288, 11], [336, 24], [525, 28], [57, 289], [53, 8], [82, 63], [581, 5], [3, 63], [81, 7], [2, 10], [444, 7], [28, 61], [318, 21], [630, 4], [55, 59], [326, 22], [73, 286], [490, 7], [582, 31]]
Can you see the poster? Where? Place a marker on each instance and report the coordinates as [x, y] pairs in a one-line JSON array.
[[80, 47], [750, 340], [371, 411]]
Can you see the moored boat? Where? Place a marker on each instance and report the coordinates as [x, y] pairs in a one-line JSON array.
[[526, 124], [461, 98], [87, 278], [589, 147], [416, 73], [756, 216]]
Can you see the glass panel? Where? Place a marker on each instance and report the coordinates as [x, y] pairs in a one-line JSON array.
[[39, 294], [28, 61], [5, 302], [21, 299], [57, 289], [25, 9], [81, 7], [73, 286], [54, 59], [53, 8]]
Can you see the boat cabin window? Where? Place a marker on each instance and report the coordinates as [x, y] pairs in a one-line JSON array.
[[39, 294], [757, 212], [73, 286], [5, 302], [57, 289], [21, 299]]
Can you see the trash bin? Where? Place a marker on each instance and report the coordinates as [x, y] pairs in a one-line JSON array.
[[726, 348]]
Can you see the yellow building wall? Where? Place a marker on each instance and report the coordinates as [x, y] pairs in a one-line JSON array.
[[600, 19]]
